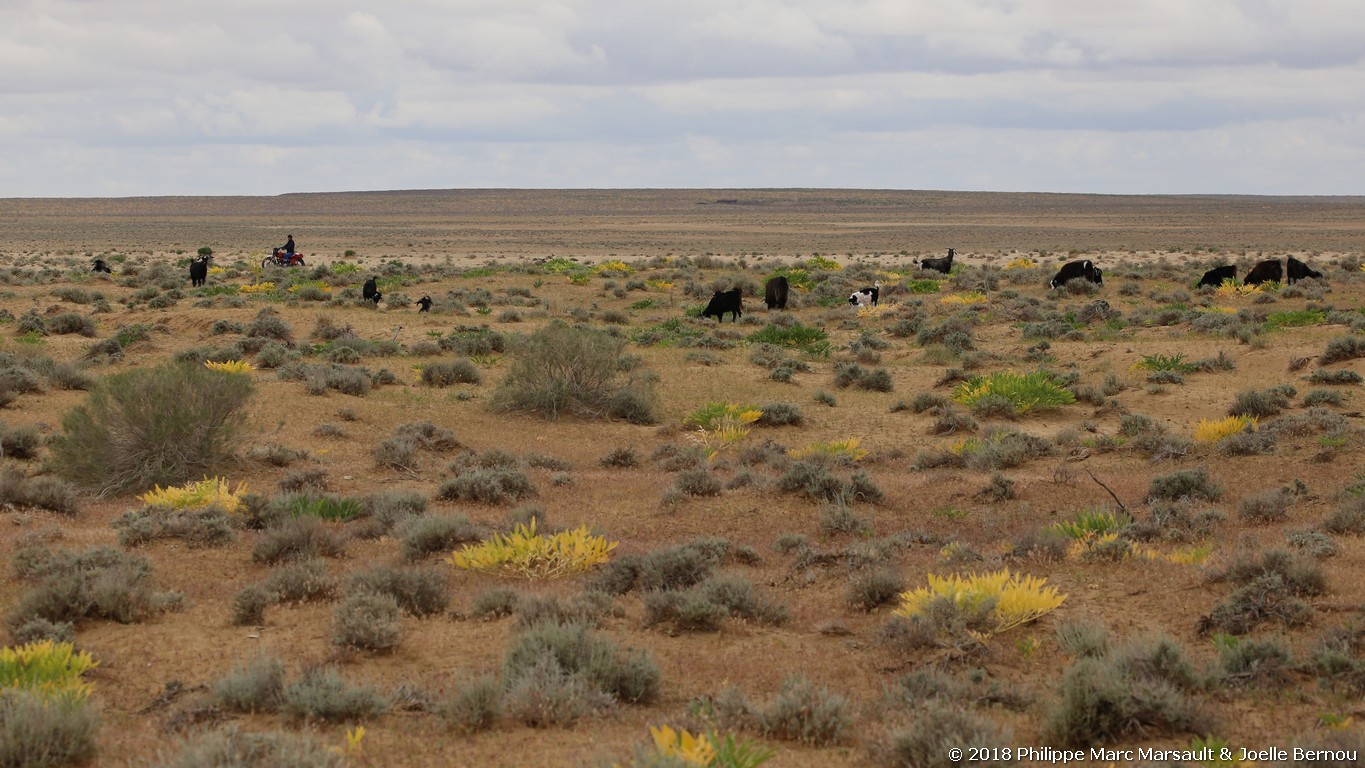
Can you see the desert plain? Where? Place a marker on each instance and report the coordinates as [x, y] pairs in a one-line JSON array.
[[1161, 598]]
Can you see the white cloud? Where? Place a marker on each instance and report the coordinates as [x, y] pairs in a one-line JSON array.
[[1127, 95]]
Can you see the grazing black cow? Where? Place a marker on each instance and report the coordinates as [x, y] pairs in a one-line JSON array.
[[943, 265], [1299, 271], [775, 292], [1217, 275], [199, 271], [1268, 271], [731, 301], [866, 296], [424, 303], [100, 266], [1074, 269], [370, 291]]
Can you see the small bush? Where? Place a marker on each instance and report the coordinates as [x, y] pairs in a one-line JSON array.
[[1190, 483], [1340, 376], [1083, 639], [448, 373], [231, 747], [39, 730], [1259, 403], [425, 536], [71, 322], [473, 707], [100, 583], [620, 457], [368, 621], [418, 591], [873, 589], [1348, 519], [1267, 507], [209, 527], [298, 538], [252, 686], [301, 582], [145, 427], [323, 695], [20, 490], [697, 482], [561, 369], [493, 485], [627, 676], [938, 734], [1100, 704], [495, 603], [1343, 348], [807, 713], [249, 604], [780, 415]]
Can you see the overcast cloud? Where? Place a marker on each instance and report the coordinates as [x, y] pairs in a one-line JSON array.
[[145, 97]]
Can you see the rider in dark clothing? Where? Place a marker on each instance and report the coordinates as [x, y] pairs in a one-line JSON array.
[[289, 245]]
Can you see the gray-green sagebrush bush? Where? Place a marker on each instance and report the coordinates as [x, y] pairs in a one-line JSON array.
[[153, 426], [561, 369]]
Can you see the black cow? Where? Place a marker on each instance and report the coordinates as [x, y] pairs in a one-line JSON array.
[[943, 265], [370, 291], [1217, 275], [1074, 269], [731, 301], [775, 292], [199, 271], [1299, 271], [1268, 271], [866, 296], [424, 303], [100, 266]]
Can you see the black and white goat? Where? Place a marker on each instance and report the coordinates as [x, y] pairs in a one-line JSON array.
[[867, 296]]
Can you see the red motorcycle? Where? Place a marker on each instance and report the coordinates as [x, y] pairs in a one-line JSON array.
[[280, 258]]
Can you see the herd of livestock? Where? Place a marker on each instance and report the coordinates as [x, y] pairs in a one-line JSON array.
[[775, 292]]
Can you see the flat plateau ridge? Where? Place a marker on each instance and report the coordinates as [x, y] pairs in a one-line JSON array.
[[505, 223]]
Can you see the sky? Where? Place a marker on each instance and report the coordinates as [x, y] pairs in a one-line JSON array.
[[104, 98]]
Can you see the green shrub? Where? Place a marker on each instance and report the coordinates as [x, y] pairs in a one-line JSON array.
[[159, 426], [808, 339], [1015, 393], [71, 322], [561, 369], [780, 415]]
